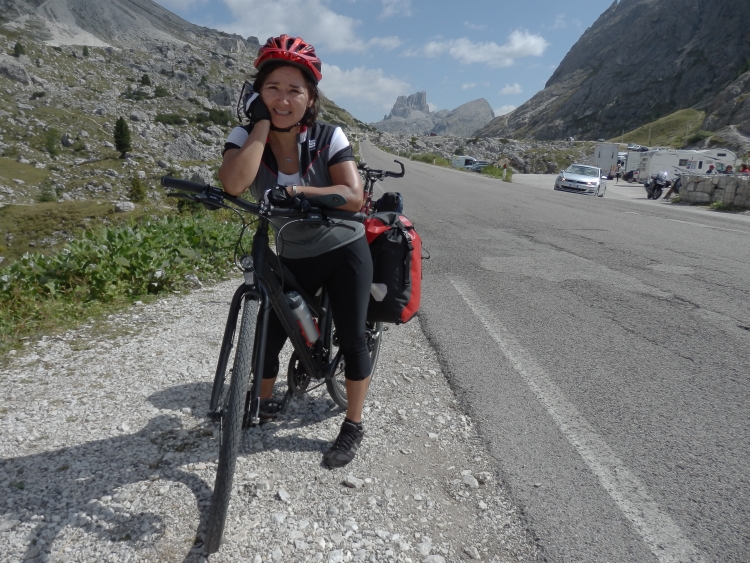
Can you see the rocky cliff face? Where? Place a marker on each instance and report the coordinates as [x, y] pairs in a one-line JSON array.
[[412, 115], [641, 60]]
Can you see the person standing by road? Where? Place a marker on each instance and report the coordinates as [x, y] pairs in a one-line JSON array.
[[284, 151], [618, 173]]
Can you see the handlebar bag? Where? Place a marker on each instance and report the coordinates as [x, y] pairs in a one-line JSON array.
[[390, 201], [396, 250]]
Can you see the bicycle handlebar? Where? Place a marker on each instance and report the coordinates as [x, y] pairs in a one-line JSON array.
[[380, 174], [205, 193]]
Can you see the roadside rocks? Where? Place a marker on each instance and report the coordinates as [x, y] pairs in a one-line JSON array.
[[537, 157], [120, 449]]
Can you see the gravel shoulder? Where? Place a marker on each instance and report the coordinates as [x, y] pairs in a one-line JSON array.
[[105, 455]]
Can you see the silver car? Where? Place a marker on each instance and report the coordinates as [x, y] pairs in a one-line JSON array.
[[581, 179]]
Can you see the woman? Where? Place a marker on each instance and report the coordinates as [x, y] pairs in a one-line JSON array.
[[284, 152]]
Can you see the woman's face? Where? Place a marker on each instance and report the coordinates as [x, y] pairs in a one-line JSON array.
[[286, 96]]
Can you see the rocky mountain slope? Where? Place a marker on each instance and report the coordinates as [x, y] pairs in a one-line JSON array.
[[411, 114], [100, 23], [176, 85], [642, 60]]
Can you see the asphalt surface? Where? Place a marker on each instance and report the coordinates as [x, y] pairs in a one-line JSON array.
[[602, 346]]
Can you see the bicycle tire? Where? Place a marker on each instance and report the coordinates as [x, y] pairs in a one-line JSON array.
[[232, 417], [336, 385]]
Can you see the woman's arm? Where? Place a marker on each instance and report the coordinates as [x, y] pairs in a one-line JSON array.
[[240, 166], [346, 182]]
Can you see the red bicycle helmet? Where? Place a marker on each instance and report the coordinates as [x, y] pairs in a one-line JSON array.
[[292, 50]]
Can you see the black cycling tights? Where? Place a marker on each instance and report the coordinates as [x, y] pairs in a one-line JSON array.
[[346, 274]]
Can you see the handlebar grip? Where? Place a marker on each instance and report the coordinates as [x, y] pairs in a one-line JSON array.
[[184, 185]]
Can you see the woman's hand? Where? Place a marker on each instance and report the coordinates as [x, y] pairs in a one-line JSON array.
[[240, 166]]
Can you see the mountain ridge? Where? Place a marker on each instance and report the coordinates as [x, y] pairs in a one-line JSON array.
[[641, 60], [411, 115]]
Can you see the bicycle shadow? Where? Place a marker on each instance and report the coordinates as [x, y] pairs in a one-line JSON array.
[[62, 488]]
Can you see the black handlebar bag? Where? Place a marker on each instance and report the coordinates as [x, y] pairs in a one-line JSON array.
[[396, 250]]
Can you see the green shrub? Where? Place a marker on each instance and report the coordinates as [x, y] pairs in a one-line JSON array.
[[52, 141], [79, 145], [111, 265], [460, 150], [11, 151], [47, 194], [699, 136], [18, 50], [37, 95], [204, 81], [145, 80], [135, 95], [497, 172], [160, 92], [169, 118], [137, 193], [122, 136], [85, 51], [216, 116]]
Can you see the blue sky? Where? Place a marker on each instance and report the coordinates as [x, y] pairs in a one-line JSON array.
[[375, 50]]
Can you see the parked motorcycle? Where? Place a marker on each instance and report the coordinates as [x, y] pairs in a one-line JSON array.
[[657, 184]]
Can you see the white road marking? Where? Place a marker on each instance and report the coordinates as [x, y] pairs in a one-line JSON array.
[[663, 536], [703, 225]]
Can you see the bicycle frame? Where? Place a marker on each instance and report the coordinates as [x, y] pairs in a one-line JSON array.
[[269, 292]]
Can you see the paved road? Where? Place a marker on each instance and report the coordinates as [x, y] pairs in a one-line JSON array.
[[602, 345]]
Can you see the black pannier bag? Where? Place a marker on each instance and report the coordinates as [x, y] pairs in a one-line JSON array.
[[396, 250]]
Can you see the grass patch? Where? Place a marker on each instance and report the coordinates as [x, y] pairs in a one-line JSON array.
[[432, 158], [726, 207], [11, 169], [107, 269], [669, 131], [497, 172], [48, 221]]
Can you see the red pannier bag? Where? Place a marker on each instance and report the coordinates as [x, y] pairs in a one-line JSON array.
[[396, 250]]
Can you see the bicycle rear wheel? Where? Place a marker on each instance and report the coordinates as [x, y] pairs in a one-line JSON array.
[[232, 418], [336, 385]]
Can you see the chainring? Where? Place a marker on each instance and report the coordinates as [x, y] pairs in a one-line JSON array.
[[297, 378]]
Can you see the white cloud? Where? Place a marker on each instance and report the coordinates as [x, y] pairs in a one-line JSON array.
[[475, 26], [364, 86], [311, 19], [468, 86], [560, 22], [502, 110], [396, 8], [388, 43], [520, 44], [433, 107], [514, 88]]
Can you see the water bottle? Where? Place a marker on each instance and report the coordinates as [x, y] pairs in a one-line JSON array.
[[301, 312]]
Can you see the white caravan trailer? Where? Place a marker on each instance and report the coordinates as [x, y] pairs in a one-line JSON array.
[[677, 162], [605, 157]]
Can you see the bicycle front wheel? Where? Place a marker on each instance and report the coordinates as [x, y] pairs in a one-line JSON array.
[[336, 385], [232, 418]]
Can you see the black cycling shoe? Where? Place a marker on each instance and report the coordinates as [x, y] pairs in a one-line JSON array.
[[345, 447], [270, 409]]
